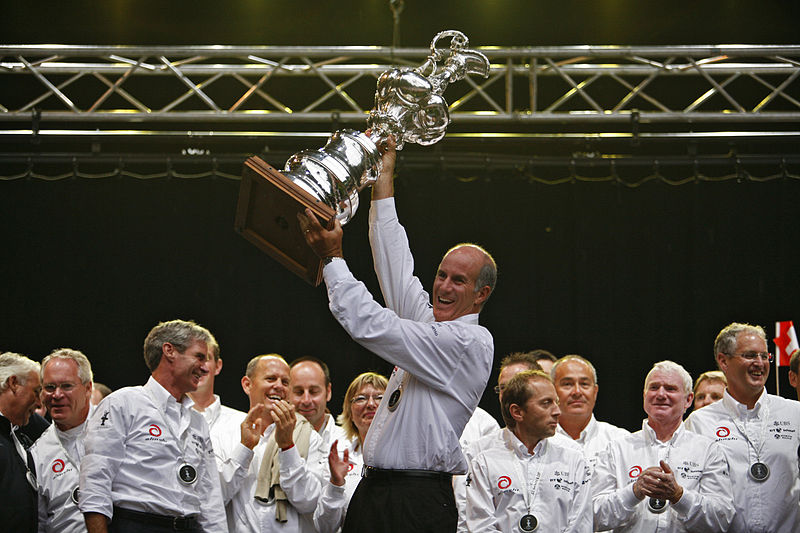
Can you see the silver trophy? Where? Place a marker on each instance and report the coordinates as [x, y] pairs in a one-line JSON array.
[[408, 105]]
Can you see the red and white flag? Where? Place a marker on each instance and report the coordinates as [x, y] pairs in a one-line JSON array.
[[785, 342]]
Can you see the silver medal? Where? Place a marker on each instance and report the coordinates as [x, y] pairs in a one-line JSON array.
[[759, 471], [528, 523], [656, 505], [187, 474]]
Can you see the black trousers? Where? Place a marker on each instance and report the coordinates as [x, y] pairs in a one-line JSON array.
[[126, 521], [403, 505]]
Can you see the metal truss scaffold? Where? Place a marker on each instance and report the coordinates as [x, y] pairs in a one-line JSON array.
[[230, 90]]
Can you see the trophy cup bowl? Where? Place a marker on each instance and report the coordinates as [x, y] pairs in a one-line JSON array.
[[408, 105]]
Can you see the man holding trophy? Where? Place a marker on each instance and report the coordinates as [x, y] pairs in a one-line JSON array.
[[442, 356], [443, 359]]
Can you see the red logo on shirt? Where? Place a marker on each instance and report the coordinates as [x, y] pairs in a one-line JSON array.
[[350, 467], [723, 432], [58, 466], [155, 430], [636, 471], [504, 482]]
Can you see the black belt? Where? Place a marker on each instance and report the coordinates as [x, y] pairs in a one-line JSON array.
[[177, 523], [380, 473]]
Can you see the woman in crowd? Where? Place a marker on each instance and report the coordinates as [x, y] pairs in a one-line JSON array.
[[358, 409]]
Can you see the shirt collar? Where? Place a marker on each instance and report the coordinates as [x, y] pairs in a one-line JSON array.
[[741, 409], [650, 434], [519, 448], [162, 395]]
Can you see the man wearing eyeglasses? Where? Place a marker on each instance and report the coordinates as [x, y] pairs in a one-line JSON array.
[[66, 389], [759, 432]]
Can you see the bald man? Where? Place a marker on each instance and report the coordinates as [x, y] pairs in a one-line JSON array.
[[442, 359]]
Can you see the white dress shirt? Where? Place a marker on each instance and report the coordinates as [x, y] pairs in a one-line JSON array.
[[332, 507], [136, 440], [595, 437], [507, 482], [773, 505], [221, 420], [301, 480], [329, 433], [442, 367], [57, 455], [699, 465]]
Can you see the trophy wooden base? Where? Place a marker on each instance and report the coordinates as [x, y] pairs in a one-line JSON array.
[[267, 217]]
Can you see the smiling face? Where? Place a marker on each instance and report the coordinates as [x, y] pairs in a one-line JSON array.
[[363, 407], [708, 392], [746, 379], [269, 382], [309, 393], [190, 366], [665, 399], [23, 399], [68, 408], [454, 293], [576, 389]]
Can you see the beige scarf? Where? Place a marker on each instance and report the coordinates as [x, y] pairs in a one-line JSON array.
[[269, 474]]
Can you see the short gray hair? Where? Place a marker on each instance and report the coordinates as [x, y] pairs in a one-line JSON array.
[[573, 357], [727, 338], [84, 367], [14, 364], [675, 368], [179, 333]]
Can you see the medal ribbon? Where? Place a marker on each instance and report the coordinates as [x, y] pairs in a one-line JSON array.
[[169, 428], [750, 444]]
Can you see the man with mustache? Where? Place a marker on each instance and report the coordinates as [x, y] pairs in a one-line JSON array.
[[759, 432], [149, 463]]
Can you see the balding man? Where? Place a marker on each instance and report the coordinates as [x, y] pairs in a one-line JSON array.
[[310, 392], [442, 359], [575, 379], [66, 392], [149, 463], [19, 397], [272, 469], [759, 432]]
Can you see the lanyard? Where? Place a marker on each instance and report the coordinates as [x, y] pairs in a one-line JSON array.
[[530, 496], [750, 444]]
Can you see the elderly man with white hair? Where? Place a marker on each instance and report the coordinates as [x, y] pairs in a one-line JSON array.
[[66, 392], [663, 478], [19, 397]]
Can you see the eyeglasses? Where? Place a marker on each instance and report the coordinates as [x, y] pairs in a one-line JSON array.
[[362, 399], [752, 356], [499, 388], [66, 388]]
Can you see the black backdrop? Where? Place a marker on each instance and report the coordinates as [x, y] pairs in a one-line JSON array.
[[624, 276]]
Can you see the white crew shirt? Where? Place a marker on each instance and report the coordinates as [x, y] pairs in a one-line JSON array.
[[699, 465], [301, 480], [441, 367], [595, 437], [329, 433], [57, 455], [773, 505], [481, 424], [501, 475], [222, 420], [332, 507], [132, 458]]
